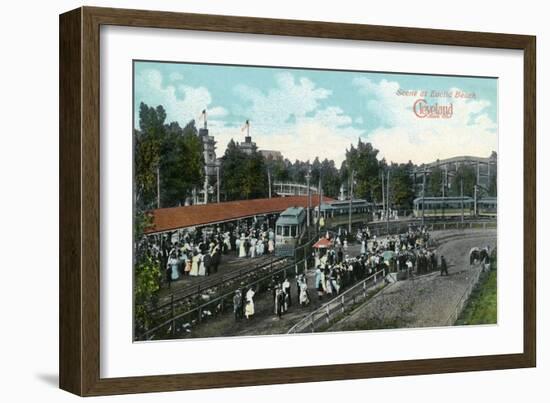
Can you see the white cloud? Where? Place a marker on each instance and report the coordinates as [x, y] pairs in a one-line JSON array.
[[293, 118], [307, 139], [182, 102], [217, 111], [287, 118], [403, 136], [175, 76], [290, 100]]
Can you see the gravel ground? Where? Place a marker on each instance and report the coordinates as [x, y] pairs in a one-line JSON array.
[[427, 300]]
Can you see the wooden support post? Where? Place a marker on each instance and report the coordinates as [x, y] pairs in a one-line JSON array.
[[173, 314]]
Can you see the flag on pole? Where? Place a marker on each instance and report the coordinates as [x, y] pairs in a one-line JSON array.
[[246, 125], [202, 116]]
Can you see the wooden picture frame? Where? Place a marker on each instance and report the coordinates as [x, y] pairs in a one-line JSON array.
[[79, 278]]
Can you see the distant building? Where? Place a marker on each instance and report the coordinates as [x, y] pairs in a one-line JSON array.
[[485, 168], [271, 154], [211, 164], [248, 146]]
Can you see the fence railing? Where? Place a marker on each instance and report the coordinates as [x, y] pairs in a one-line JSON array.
[[401, 226], [453, 317], [181, 322], [334, 309], [178, 322], [179, 297]]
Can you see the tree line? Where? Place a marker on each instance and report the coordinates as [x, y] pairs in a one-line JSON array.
[[169, 167]]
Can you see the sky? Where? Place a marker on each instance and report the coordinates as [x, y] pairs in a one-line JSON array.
[[308, 113]]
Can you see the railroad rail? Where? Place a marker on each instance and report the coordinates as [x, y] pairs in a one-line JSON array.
[[212, 283], [180, 322], [400, 226], [169, 322], [326, 314]]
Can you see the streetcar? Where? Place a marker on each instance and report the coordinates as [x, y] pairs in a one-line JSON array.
[[487, 207], [289, 228], [336, 212], [443, 207]]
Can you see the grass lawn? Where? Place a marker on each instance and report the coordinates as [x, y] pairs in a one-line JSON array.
[[481, 308]]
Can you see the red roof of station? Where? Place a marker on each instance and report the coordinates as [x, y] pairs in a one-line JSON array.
[[323, 243], [167, 219]]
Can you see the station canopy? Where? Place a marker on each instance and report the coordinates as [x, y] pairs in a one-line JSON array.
[[200, 215], [323, 243]]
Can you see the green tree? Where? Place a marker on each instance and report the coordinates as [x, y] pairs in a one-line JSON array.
[[244, 176], [465, 175], [147, 274], [331, 178], [433, 187], [401, 185], [181, 163], [169, 152], [147, 144], [278, 168], [363, 160]]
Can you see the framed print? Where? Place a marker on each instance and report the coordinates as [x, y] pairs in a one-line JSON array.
[[249, 201]]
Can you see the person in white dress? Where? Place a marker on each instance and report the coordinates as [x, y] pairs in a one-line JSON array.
[[173, 265], [202, 267], [253, 247], [242, 247], [249, 309], [227, 241], [194, 265]]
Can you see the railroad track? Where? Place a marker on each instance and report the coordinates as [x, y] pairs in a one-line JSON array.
[[213, 285]]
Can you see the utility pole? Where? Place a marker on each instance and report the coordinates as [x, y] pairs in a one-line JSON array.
[[423, 193], [462, 199], [383, 192], [443, 184], [320, 201], [218, 183], [269, 181], [308, 177], [350, 199], [475, 199], [388, 204], [158, 185]]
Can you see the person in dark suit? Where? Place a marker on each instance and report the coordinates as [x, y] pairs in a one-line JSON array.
[[443, 266]]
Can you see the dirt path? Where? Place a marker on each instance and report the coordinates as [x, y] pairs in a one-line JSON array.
[[426, 300]]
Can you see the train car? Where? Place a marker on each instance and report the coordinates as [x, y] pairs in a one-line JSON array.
[[336, 212], [289, 228], [443, 207], [487, 207], [341, 207]]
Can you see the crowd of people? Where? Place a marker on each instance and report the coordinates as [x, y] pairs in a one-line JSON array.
[[199, 253], [409, 252], [196, 253], [335, 270]]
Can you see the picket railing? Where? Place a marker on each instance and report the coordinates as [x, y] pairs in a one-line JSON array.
[[334, 309]]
